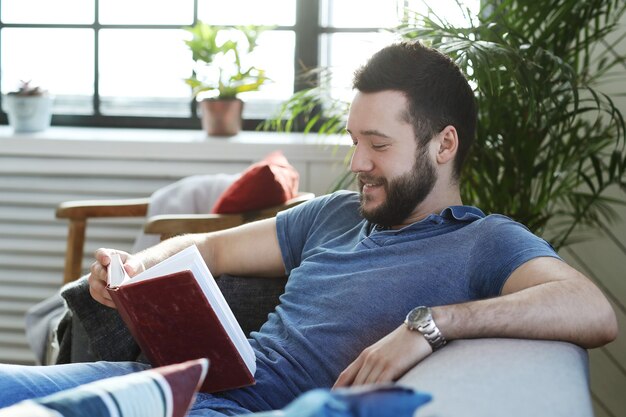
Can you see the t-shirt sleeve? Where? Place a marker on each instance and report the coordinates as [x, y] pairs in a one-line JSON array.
[[503, 246], [293, 227]]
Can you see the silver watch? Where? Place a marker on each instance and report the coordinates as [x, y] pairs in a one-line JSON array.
[[421, 319]]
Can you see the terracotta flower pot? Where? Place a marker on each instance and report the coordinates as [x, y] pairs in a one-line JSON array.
[[221, 117]]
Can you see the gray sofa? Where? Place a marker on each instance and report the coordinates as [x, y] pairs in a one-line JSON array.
[[467, 378], [504, 377]]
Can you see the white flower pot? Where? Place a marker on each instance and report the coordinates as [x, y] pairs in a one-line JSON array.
[[28, 113]]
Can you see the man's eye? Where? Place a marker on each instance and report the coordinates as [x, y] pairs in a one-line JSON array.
[[379, 147]]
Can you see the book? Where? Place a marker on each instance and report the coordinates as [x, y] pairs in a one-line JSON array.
[[176, 312]]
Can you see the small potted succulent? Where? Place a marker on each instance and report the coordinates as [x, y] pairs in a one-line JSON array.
[[29, 108], [222, 72]]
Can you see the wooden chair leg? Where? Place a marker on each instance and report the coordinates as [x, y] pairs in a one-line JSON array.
[[74, 252]]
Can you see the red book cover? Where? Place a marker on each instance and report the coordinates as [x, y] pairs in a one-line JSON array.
[[173, 321]]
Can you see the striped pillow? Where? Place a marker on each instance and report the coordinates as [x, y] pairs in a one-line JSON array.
[[168, 391]]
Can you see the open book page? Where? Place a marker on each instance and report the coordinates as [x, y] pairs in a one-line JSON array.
[[190, 259], [116, 272]]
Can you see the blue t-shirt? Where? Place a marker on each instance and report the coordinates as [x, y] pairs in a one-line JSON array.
[[350, 284]]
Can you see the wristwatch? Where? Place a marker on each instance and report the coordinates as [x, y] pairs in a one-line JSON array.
[[421, 319]]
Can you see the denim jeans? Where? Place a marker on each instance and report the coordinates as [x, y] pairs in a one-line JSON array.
[[19, 382]]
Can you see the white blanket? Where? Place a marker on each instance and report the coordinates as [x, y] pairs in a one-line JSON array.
[[191, 195]]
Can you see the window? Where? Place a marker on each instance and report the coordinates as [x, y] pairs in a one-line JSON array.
[[122, 62]]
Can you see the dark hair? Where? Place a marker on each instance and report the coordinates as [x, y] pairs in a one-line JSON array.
[[437, 91]]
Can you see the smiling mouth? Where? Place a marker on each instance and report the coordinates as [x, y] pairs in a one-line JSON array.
[[367, 186]]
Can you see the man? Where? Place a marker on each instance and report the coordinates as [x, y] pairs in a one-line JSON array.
[[358, 264]]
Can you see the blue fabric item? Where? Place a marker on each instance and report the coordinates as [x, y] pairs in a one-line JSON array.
[[351, 284], [369, 401]]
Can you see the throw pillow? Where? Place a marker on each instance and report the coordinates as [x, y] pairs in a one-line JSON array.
[[165, 391], [264, 184], [378, 400]]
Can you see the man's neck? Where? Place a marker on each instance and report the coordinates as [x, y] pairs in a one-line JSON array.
[[434, 203]]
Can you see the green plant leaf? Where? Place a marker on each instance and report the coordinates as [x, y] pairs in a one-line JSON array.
[[233, 79]]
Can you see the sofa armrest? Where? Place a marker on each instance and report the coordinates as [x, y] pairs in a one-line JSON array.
[[504, 377]]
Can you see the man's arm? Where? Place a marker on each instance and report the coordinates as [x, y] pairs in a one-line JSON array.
[[250, 249], [542, 299]]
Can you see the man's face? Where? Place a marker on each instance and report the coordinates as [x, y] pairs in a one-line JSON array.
[[394, 176]]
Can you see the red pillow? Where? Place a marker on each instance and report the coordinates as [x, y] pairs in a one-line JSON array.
[[264, 184]]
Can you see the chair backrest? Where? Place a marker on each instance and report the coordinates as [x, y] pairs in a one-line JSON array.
[[171, 225], [78, 212]]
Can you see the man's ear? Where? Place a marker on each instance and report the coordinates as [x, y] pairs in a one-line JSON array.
[[447, 144]]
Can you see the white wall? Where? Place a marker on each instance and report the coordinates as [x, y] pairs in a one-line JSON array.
[[37, 172]]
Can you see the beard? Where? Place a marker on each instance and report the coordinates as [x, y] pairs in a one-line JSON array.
[[403, 193]]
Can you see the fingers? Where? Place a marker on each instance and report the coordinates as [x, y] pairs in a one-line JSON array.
[[133, 266], [97, 289], [103, 256], [386, 360], [370, 373], [346, 378], [369, 368], [98, 278]]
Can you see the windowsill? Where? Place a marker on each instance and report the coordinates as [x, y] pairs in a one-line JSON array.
[[179, 144]]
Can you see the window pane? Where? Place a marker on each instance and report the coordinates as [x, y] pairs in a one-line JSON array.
[[46, 11], [248, 12], [361, 13], [386, 14], [142, 71], [274, 54], [448, 10], [178, 12], [62, 64], [345, 52]]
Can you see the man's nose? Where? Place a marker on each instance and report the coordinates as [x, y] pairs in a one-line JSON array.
[[360, 161]]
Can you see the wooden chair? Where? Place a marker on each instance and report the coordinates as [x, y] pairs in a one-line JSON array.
[[78, 212]]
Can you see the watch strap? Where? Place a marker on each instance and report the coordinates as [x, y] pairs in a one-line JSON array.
[[432, 334]]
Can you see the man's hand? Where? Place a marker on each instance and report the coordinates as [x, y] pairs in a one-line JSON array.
[[386, 360], [98, 277]]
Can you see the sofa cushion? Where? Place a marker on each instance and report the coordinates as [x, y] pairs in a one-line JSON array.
[[264, 184], [251, 298]]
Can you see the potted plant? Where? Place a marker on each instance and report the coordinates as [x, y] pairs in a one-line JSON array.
[[221, 68], [29, 108], [550, 147]]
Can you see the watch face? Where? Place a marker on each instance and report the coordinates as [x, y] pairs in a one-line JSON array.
[[417, 315]]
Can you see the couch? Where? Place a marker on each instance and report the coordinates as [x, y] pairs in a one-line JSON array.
[[480, 377]]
